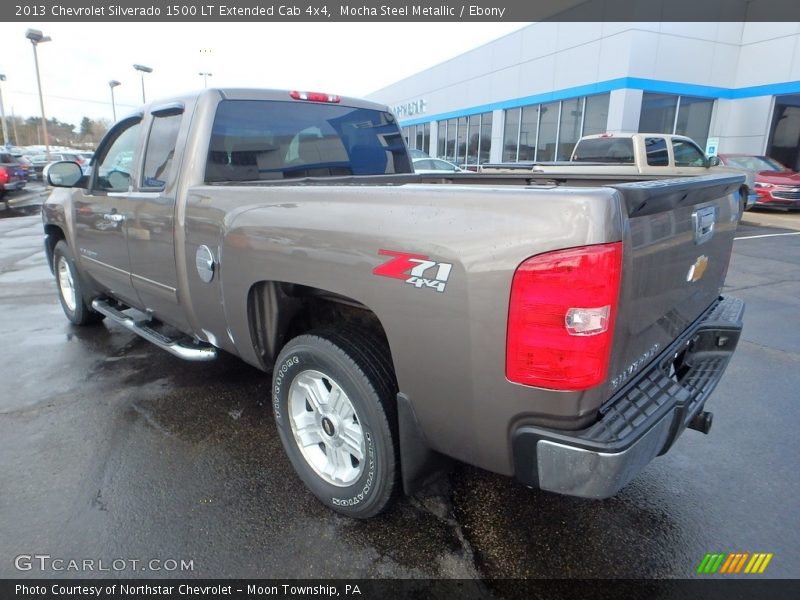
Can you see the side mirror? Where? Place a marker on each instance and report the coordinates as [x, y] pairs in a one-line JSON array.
[[64, 174], [713, 161]]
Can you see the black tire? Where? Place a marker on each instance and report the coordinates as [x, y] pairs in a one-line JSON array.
[[360, 365], [76, 309]]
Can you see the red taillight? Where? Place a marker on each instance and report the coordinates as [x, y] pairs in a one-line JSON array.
[[561, 317], [3, 175], [315, 97]]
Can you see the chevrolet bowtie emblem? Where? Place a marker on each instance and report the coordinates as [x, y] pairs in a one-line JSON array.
[[698, 269]]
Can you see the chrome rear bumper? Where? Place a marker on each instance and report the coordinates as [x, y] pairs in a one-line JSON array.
[[641, 422]]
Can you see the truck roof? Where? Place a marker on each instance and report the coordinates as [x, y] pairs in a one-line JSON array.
[[254, 94], [633, 134]]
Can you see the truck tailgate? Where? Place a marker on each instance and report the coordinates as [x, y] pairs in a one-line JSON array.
[[677, 243]]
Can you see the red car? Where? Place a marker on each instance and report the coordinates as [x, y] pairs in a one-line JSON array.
[[777, 186]]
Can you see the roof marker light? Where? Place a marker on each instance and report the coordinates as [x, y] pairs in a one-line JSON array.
[[315, 97]]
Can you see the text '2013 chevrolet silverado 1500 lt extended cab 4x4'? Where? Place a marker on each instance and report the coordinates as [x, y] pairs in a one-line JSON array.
[[562, 333]]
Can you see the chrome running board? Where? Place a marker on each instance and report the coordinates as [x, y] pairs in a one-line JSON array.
[[183, 348]]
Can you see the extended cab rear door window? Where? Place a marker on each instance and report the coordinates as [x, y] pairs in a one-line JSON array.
[[160, 152], [657, 153], [266, 140]]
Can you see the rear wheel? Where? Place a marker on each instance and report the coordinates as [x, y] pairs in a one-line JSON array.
[[70, 291], [334, 403]]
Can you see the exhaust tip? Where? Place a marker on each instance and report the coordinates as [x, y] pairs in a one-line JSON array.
[[702, 422]]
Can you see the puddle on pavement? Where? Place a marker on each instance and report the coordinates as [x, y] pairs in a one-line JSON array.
[[10, 212]]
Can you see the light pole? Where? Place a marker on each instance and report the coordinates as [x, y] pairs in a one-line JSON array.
[[112, 84], [3, 112], [205, 77], [36, 37], [142, 69]]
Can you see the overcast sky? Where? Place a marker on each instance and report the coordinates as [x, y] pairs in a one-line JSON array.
[[351, 59]]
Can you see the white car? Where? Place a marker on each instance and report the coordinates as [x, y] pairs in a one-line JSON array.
[[435, 166]]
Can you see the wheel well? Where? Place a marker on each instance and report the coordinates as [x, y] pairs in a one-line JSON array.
[[52, 235], [279, 311]]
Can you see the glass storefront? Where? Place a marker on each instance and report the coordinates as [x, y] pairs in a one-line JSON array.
[[545, 132], [466, 140], [418, 136], [784, 137], [682, 115]]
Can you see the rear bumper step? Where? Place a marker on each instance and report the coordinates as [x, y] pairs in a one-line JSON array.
[[641, 422], [184, 348]]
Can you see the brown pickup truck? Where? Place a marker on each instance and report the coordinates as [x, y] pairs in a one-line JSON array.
[[562, 332]]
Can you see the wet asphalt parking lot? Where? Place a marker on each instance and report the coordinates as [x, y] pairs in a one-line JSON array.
[[111, 448]]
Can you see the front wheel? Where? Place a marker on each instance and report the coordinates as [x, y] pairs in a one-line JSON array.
[[70, 292], [334, 404]]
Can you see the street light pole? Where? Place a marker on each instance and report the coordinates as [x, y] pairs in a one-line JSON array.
[[36, 38], [112, 84], [205, 78], [142, 69], [3, 112]]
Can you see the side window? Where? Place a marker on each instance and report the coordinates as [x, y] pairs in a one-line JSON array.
[[160, 152], [687, 154], [656, 149], [116, 164], [440, 164]]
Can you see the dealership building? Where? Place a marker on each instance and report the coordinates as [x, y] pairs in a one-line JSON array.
[[732, 87]]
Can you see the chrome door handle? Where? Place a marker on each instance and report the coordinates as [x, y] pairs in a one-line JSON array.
[[114, 217]]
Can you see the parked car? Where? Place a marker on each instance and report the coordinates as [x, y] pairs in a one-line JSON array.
[[26, 165], [777, 186], [414, 153], [434, 166], [12, 176], [39, 162]]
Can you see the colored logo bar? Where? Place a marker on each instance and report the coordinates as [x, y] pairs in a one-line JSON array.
[[737, 562]]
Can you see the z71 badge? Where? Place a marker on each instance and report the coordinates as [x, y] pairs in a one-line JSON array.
[[416, 269]]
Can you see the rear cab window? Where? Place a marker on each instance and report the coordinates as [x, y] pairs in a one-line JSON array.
[[605, 150], [254, 140]]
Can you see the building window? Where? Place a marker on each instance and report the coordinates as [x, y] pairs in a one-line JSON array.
[[461, 141], [450, 151], [486, 138], [682, 115], [569, 127], [466, 140], [511, 135], [595, 114], [784, 137], [527, 133], [548, 132], [543, 132], [418, 136], [473, 140]]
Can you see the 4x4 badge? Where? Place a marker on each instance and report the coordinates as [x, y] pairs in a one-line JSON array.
[[416, 269]]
